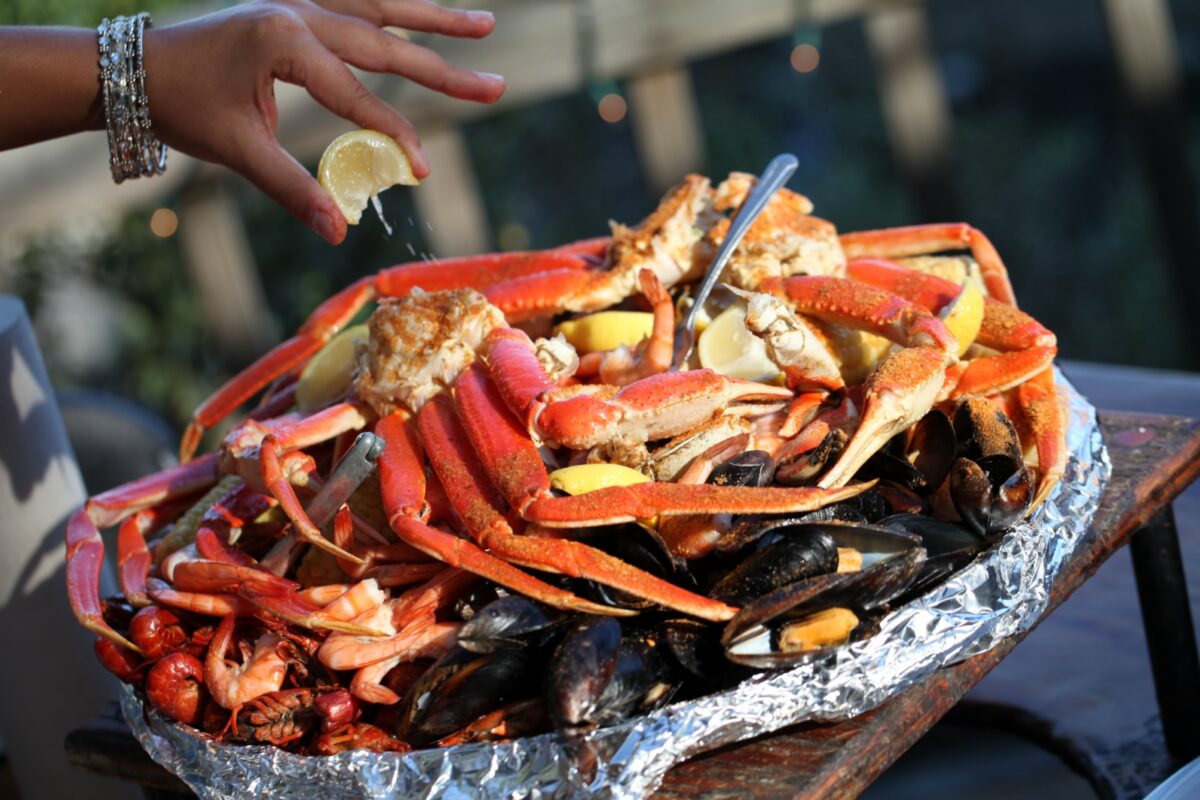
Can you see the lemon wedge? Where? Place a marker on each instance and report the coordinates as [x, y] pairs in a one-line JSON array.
[[358, 165], [964, 315], [583, 478], [607, 330], [727, 347], [327, 375]]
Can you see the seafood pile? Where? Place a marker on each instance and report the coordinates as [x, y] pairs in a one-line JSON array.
[[493, 510]]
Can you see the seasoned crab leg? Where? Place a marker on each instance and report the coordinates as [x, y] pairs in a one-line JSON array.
[[905, 385], [85, 549], [916, 240], [336, 312], [1027, 351], [478, 506], [655, 407], [515, 467], [1046, 418]]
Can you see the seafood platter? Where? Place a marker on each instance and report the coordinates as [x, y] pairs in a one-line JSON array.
[[490, 542]]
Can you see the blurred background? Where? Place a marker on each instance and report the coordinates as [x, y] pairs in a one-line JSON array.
[[1064, 129]]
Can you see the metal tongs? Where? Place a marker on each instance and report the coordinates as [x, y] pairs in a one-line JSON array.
[[773, 178]]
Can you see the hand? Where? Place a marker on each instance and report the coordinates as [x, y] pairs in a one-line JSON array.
[[210, 83]]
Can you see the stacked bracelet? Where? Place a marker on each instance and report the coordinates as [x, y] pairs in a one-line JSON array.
[[133, 150]]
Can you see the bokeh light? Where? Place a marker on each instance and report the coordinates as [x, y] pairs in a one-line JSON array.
[[805, 57], [164, 222], [513, 236], [612, 107]]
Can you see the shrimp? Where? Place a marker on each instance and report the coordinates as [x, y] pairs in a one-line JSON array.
[[262, 669], [622, 366]]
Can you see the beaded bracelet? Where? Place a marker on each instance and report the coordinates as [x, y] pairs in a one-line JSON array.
[[133, 150]]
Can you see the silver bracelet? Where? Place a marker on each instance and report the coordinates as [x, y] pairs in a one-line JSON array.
[[133, 150]]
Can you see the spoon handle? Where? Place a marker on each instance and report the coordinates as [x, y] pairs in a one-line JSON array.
[[773, 178]]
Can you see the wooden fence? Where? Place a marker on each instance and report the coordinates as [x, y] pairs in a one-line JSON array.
[[548, 48]]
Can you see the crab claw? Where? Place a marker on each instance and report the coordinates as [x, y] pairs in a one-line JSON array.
[[652, 408], [900, 392]]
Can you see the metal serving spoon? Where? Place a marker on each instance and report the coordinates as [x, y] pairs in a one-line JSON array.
[[773, 178]]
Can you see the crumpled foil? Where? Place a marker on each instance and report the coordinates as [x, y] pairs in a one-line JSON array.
[[1002, 593]]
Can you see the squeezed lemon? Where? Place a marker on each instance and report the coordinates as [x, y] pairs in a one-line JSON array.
[[358, 165]]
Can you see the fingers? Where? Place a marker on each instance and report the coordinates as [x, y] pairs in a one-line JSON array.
[[277, 174], [373, 49], [334, 86], [416, 15]]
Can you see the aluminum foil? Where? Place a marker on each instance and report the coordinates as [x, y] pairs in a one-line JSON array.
[[1002, 593]]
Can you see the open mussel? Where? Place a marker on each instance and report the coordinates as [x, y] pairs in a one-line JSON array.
[[459, 688], [793, 553], [809, 618]]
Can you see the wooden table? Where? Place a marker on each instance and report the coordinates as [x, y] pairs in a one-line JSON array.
[[1154, 458]]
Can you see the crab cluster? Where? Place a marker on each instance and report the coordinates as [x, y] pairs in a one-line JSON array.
[[560, 530]]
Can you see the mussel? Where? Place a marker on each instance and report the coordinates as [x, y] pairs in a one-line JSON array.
[[809, 618], [507, 623], [459, 688], [918, 459], [988, 483]]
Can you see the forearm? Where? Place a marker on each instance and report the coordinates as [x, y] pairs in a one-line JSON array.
[[49, 84]]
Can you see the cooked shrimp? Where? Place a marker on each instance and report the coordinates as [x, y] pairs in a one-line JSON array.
[[262, 669]]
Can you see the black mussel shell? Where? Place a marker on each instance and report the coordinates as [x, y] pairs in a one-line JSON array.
[[641, 681], [983, 429], [971, 493], [580, 669], [751, 468], [477, 597], [873, 542], [917, 460], [950, 547], [863, 591], [990, 494], [900, 500], [461, 687], [695, 647], [799, 552], [749, 529], [805, 468], [506, 623], [639, 547]]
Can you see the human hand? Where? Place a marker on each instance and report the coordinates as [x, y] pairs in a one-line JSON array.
[[210, 83]]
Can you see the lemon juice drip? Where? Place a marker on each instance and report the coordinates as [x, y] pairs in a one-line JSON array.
[[375, 204]]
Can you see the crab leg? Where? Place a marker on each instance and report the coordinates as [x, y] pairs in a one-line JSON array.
[[133, 557], [655, 407], [336, 312], [478, 506], [906, 384], [512, 461], [1042, 408], [916, 240], [85, 549], [319, 427], [1027, 350]]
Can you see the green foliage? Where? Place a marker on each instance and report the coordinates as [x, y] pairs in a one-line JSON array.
[[86, 13]]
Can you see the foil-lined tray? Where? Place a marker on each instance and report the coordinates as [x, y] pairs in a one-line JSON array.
[[1002, 593]]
